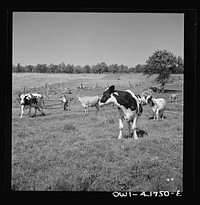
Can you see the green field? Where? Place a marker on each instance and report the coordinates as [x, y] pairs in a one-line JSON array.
[[71, 151]]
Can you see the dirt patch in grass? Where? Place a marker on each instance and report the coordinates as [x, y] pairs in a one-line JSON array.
[[69, 128]]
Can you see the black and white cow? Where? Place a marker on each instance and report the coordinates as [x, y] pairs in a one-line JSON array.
[[129, 106], [31, 100]]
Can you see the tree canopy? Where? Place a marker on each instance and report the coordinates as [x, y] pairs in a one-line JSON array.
[[163, 63]]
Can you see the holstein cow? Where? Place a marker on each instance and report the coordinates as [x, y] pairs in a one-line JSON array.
[[89, 101], [157, 105], [128, 104], [31, 100]]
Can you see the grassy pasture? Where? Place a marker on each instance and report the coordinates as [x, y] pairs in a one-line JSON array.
[[71, 151]]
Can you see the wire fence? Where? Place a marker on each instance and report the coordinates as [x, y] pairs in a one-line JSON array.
[[54, 105]]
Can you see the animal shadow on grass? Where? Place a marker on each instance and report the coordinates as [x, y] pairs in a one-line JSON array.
[[38, 115], [171, 91], [140, 134], [151, 118]]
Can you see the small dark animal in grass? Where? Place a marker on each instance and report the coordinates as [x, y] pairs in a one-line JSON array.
[[173, 97], [128, 104], [155, 89]]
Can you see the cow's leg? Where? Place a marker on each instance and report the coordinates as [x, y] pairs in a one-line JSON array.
[[29, 111], [154, 115], [41, 110], [97, 106], [120, 127], [35, 112], [134, 127], [85, 109], [161, 114], [129, 127], [22, 111], [157, 114]]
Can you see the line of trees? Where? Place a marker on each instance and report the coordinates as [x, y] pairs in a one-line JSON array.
[[104, 68], [70, 68]]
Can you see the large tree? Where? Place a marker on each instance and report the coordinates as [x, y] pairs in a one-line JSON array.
[[162, 62], [19, 68], [86, 69]]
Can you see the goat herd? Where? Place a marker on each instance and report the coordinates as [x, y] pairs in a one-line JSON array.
[[129, 105]]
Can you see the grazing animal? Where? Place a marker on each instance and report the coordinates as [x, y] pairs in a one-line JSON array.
[[89, 101], [81, 86], [157, 105], [155, 89], [66, 103], [173, 97], [31, 100], [128, 104]]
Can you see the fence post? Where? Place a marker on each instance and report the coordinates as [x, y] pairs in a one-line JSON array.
[[24, 90], [45, 88]]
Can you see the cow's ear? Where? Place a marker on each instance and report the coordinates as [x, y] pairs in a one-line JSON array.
[[111, 88]]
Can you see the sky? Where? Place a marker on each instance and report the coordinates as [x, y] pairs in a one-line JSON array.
[[82, 38]]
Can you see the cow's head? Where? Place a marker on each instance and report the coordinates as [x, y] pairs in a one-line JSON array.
[[107, 96], [149, 98], [146, 95], [21, 99], [27, 99]]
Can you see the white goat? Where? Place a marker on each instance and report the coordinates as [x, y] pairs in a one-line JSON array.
[[157, 105], [89, 101]]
